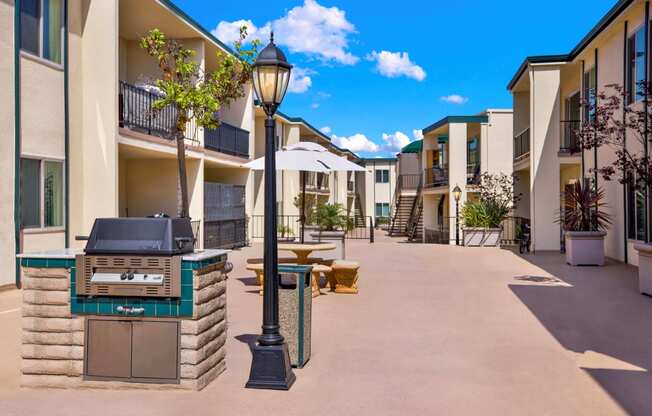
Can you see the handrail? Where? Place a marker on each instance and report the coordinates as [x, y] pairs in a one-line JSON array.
[[395, 201], [411, 219]]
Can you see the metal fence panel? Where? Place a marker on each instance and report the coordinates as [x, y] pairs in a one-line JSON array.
[[225, 234], [223, 202]]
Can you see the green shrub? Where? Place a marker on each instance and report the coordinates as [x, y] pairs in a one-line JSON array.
[[484, 214]]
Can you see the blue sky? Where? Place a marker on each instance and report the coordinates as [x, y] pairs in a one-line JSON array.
[[373, 72]]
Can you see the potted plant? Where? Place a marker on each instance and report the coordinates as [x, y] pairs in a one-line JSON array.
[[284, 233], [584, 221], [333, 225], [483, 218]]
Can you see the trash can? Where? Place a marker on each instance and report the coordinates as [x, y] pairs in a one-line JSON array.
[[295, 310]]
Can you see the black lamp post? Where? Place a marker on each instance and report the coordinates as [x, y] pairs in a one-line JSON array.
[[270, 366], [457, 194]]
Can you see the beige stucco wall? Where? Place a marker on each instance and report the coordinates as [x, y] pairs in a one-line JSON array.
[[7, 234], [497, 143], [457, 136], [521, 101], [94, 102], [544, 163], [378, 192]]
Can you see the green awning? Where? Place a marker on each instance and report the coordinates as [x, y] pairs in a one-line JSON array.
[[414, 147]]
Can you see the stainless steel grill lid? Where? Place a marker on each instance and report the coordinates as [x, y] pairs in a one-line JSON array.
[[143, 236]]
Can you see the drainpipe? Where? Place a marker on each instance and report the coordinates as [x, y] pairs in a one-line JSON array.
[[66, 105], [645, 141], [625, 213], [17, 151], [595, 148]]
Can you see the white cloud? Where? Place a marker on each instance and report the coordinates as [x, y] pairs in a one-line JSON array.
[[396, 64], [454, 99], [314, 106], [229, 32], [396, 141], [312, 29], [300, 80], [356, 143], [326, 130]]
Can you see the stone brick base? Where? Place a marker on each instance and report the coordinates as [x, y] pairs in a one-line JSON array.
[[53, 339]]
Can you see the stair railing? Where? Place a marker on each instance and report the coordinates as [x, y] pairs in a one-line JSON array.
[[417, 205], [395, 203]]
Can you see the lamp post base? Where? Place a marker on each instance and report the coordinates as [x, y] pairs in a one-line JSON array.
[[270, 368]]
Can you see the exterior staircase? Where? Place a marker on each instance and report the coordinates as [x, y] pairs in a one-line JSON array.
[[407, 207], [415, 221]]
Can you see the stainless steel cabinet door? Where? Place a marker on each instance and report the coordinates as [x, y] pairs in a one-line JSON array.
[[155, 350], [108, 349]]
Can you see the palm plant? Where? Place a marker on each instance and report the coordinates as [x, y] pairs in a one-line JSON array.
[[584, 209], [330, 217]]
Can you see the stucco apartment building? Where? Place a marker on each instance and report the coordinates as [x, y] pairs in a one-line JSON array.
[[81, 140], [547, 93], [377, 187], [455, 151]]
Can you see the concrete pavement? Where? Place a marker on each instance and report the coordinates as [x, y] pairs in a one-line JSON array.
[[434, 330]]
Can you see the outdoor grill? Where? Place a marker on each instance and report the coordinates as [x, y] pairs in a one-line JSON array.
[[134, 257]]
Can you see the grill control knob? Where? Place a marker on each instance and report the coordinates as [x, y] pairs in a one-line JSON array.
[[123, 276], [131, 276], [145, 276]]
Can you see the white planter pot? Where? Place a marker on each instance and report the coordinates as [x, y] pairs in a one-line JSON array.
[[336, 237], [481, 237], [644, 268], [585, 248]]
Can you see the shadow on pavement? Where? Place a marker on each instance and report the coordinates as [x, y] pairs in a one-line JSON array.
[[598, 313]]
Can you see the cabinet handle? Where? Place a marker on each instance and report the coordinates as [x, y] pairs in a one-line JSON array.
[[129, 310]]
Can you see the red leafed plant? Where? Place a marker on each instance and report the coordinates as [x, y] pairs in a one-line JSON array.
[[584, 209]]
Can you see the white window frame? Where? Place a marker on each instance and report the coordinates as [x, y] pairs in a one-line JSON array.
[[42, 228]]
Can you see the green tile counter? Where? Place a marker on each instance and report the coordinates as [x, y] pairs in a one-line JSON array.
[[55, 320]]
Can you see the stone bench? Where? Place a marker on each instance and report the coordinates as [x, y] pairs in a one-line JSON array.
[[344, 276], [317, 270]]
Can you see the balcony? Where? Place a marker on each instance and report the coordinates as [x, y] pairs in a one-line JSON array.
[[409, 182], [227, 139], [350, 187], [136, 112], [522, 145], [569, 143], [317, 182], [436, 177]]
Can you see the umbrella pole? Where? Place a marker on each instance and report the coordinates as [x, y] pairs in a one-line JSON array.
[[303, 205]]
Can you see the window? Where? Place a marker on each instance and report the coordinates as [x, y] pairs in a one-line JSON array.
[[590, 86], [41, 193], [382, 209], [636, 66], [382, 176], [472, 152], [41, 28], [635, 209]]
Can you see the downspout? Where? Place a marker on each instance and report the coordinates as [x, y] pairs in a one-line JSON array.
[[595, 148], [66, 106], [645, 140], [582, 116], [625, 212], [533, 205], [17, 151]]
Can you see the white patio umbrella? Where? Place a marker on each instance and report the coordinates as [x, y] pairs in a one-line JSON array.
[[306, 157]]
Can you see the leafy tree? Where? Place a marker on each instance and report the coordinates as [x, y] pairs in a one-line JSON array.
[[197, 95], [616, 123]]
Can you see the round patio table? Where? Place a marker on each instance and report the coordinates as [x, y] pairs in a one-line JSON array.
[[303, 251]]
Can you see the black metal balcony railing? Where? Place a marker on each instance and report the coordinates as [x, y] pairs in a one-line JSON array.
[[522, 144], [136, 112], [569, 140], [436, 176], [409, 181], [227, 139]]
